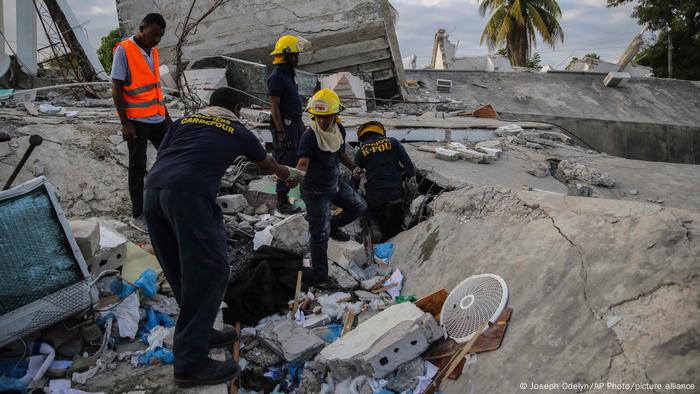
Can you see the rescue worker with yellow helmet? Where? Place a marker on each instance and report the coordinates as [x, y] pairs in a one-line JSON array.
[[286, 109], [385, 163], [321, 150]]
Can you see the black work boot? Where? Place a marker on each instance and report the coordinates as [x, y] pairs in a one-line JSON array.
[[221, 338], [285, 207], [339, 235], [214, 372]]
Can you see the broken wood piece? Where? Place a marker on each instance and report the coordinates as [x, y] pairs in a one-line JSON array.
[[454, 361], [297, 295], [236, 357], [433, 303], [349, 319], [384, 288]]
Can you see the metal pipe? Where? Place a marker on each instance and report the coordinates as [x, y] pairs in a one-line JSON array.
[[34, 141]]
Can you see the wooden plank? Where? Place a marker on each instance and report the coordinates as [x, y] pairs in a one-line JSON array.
[[454, 362], [433, 303], [236, 357], [384, 288], [349, 319], [297, 295]]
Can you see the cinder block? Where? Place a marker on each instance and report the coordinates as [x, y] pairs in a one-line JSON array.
[[232, 203], [381, 344], [112, 252], [87, 235]]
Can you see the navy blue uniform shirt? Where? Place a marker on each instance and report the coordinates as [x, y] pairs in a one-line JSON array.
[[323, 173], [196, 152], [383, 159], [282, 83]]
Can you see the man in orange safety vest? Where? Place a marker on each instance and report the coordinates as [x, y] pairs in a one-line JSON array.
[[138, 99]]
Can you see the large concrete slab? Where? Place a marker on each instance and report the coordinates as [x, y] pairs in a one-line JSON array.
[[572, 265], [647, 119]]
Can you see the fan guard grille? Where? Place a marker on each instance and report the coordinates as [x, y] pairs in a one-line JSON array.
[[477, 299]]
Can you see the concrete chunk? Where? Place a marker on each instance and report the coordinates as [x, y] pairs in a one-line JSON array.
[[446, 154], [344, 278], [291, 234], [232, 203], [87, 235], [314, 321], [344, 252], [112, 252], [291, 341], [381, 344]]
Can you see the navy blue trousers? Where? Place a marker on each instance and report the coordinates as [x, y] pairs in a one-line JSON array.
[[188, 236], [285, 148], [318, 213]]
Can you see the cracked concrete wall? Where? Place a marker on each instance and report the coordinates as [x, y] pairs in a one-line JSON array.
[[571, 264], [647, 119], [346, 35]]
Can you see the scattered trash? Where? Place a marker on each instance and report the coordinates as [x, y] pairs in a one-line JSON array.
[[48, 109]]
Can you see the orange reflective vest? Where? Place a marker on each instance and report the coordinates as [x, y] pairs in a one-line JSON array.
[[143, 97]]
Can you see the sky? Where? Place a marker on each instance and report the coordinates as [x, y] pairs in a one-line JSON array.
[[588, 27]]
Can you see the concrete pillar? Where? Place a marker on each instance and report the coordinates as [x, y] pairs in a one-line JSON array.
[[2, 25], [26, 35]]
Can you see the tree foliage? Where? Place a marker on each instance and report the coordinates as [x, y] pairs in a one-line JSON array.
[[592, 55], [682, 17], [516, 24], [104, 52]]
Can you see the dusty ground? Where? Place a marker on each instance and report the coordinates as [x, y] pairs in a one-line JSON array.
[[571, 263]]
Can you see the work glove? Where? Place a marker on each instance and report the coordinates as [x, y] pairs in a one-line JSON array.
[[295, 176], [411, 186]]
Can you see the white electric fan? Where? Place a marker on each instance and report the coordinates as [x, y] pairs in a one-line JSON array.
[[471, 303]]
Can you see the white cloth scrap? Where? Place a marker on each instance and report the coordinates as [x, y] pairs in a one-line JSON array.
[[396, 277], [427, 378], [128, 316]]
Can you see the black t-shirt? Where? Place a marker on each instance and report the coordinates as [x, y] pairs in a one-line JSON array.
[[323, 173], [197, 150], [383, 158], [282, 83]]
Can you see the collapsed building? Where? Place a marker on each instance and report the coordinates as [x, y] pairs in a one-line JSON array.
[[348, 35]]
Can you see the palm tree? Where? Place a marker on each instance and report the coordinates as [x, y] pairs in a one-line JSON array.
[[514, 22]]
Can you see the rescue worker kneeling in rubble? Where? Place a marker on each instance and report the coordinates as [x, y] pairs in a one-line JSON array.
[[321, 150], [382, 159], [187, 230]]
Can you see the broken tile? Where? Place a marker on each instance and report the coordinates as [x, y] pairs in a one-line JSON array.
[[291, 341]]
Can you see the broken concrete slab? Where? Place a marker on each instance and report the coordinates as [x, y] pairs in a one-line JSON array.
[[344, 278], [592, 255], [364, 295], [262, 356], [344, 252], [290, 341], [313, 321], [570, 169], [446, 154], [406, 376], [232, 203], [87, 236], [381, 344], [291, 234]]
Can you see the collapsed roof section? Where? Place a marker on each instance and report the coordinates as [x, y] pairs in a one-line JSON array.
[[346, 35]]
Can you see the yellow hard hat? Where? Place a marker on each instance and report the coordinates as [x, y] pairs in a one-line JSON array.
[[371, 127], [290, 44], [324, 102]]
